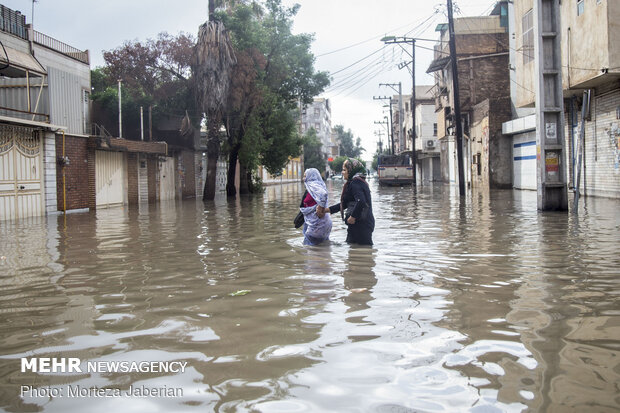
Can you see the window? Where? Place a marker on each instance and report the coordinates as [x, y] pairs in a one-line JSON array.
[[434, 129], [528, 37], [580, 7], [317, 111], [503, 15], [317, 126], [86, 112]]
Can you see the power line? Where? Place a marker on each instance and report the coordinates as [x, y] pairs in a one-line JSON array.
[[377, 36], [352, 77], [362, 59]]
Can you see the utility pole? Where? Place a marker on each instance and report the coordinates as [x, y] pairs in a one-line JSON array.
[[120, 111], [380, 143], [457, 102], [414, 156], [401, 141], [391, 127], [385, 123], [150, 123], [551, 155]]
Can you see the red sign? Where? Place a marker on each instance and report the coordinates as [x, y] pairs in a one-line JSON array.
[[330, 159]]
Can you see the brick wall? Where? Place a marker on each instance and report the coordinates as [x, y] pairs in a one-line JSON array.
[[139, 146], [500, 145], [132, 178], [92, 184], [483, 78], [76, 173]]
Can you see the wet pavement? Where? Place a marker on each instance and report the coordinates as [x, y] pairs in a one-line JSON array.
[[486, 305]]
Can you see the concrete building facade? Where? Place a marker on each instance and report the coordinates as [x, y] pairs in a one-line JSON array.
[[483, 73], [590, 63], [318, 116], [427, 144]]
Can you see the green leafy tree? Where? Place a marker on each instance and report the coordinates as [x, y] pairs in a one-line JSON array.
[[346, 145], [275, 70], [155, 73], [313, 156], [375, 158], [336, 164]]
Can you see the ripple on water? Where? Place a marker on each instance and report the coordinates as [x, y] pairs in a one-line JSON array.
[[454, 308]]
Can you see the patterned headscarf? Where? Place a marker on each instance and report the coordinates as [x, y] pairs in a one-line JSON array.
[[355, 168], [316, 187]]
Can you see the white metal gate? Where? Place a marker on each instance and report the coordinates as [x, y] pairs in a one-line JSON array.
[[109, 178], [166, 179], [21, 178]]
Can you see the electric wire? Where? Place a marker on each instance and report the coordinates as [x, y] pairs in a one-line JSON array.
[[520, 51], [379, 67]]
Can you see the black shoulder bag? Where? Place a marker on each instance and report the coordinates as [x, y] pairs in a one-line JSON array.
[[351, 207], [299, 220]]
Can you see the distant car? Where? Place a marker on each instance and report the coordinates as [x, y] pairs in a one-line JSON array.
[[336, 177]]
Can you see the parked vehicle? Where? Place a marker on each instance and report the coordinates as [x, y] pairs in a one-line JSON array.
[[395, 169]]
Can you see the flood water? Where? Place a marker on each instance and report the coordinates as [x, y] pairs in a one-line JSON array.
[[483, 306]]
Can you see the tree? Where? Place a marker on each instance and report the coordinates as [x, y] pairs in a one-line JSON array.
[[214, 59], [275, 72], [375, 158], [346, 145], [336, 164], [154, 73], [313, 156]]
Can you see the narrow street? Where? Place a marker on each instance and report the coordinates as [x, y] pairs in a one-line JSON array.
[[487, 305]]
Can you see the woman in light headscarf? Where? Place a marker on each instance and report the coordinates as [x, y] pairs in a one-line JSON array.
[[355, 204], [317, 225]]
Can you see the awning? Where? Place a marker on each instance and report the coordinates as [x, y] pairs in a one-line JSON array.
[[438, 64], [32, 123], [19, 63]]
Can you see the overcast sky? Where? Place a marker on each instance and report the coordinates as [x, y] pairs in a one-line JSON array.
[[347, 40]]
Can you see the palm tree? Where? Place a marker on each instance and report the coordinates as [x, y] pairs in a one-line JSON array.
[[214, 58]]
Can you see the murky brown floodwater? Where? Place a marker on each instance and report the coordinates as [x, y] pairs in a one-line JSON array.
[[491, 306]]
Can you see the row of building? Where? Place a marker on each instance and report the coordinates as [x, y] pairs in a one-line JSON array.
[[497, 84], [55, 156], [497, 74]]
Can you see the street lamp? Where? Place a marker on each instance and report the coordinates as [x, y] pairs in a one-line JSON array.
[[409, 40]]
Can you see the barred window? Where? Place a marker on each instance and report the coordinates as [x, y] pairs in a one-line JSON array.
[[580, 7]]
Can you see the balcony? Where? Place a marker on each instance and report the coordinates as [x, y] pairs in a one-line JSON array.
[[53, 44]]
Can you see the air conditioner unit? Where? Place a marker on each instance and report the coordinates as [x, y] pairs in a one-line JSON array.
[[430, 144]]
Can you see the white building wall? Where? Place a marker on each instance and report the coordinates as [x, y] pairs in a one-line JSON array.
[[602, 149], [318, 116], [49, 173], [524, 161], [143, 179]]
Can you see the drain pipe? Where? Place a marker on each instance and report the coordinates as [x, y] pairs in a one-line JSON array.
[[572, 137], [585, 109], [64, 181]]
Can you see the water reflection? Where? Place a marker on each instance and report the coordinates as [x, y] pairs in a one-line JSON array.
[[482, 305]]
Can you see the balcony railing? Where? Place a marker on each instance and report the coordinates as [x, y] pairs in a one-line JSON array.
[[13, 22], [57, 45]]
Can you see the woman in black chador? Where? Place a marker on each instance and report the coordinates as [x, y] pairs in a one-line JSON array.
[[355, 204]]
